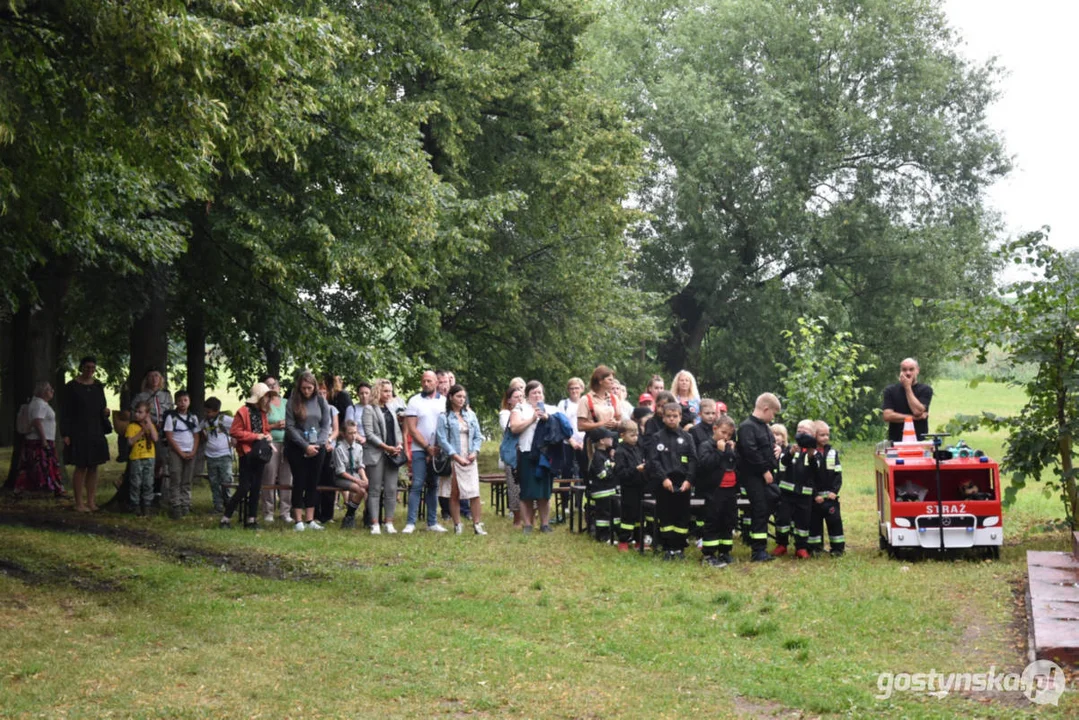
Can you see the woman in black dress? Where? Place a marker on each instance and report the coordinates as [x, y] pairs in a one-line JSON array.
[[83, 424]]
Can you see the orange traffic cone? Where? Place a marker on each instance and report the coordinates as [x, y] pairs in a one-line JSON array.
[[909, 436]]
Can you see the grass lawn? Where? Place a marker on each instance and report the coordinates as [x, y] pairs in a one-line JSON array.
[[108, 616]]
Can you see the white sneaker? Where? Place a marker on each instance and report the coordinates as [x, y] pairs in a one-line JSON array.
[[390, 529], [479, 529], [299, 527], [436, 528], [268, 519], [409, 529], [376, 530], [315, 525], [458, 529]]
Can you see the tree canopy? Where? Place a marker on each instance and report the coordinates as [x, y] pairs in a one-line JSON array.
[[502, 188]]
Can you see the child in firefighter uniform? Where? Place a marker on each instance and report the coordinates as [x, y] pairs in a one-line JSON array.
[[717, 482], [829, 481], [629, 473], [602, 487], [701, 433], [796, 487], [672, 467]]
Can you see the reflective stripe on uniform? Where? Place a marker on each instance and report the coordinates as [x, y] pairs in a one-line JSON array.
[[599, 495], [836, 539], [783, 528], [815, 539], [788, 486], [709, 543], [726, 542], [672, 528], [758, 536]]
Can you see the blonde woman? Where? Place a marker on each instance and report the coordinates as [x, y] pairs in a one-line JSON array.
[[383, 455], [684, 388]]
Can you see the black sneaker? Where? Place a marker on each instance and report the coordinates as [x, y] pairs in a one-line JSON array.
[[679, 554], [761, 556], [837, 553], [726, 559], [712, 561], [225, 524], [349, 522], [546, 529]]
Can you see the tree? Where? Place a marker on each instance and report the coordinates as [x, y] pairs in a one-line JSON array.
[[114, 116], [810, 158], [1037, 322], [821, 382]]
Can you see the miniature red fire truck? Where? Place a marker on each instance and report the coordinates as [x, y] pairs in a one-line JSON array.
[[931, 498]]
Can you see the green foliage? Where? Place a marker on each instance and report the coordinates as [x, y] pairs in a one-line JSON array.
[[822, 380], [810, 158], [1036, 322]]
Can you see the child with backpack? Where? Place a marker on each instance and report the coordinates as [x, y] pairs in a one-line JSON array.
[[182, 434]]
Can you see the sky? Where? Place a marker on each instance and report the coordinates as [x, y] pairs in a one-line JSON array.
[[1034, 41]]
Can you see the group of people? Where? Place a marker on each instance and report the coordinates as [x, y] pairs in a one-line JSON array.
[[672, 446]]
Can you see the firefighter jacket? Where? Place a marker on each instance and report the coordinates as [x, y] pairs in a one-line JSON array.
[[626, 460], [701, 432], [756, 448], [829, 478], [800, 471], [713, 465], [671, 454], [601, 482]]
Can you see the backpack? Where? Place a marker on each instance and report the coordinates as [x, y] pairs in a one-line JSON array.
[[507, 450], [22, 420]]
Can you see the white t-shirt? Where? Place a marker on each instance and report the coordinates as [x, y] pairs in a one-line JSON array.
[[217, 436], [41, 410], [524, 440], [569, 408], [183, 433], [426, 411]]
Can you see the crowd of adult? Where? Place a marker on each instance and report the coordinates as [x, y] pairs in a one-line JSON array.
[[289, 447]]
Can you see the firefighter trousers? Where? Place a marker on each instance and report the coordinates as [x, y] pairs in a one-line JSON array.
[[828, 514], [629, 527], [793, 516], [672, 514], [760, 511], [605, 510], [720, 521]]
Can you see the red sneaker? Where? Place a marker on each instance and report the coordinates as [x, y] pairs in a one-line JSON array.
[[780, 550], [623, 547], [802, 554]]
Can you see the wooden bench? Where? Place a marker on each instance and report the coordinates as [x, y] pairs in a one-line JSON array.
[[497, 483]]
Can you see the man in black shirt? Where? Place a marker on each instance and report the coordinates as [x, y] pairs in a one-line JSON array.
[[908, 397]]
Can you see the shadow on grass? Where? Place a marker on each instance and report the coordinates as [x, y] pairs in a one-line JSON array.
[[271, 567]]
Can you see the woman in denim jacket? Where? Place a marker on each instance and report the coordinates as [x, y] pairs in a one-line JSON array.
[[459, 436]]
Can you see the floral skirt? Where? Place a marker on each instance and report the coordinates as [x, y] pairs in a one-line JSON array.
[[39, 469]]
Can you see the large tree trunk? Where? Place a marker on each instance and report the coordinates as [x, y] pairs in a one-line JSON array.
[[195, 340], [149, 349], [8, 407], [690, 325], [37, 341], [273, 360], [149, 338]]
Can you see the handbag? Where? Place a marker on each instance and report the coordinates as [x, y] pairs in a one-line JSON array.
[[442, 465], [262, 451], [397, 460], [507, 449]]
